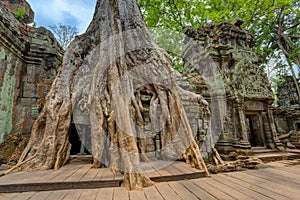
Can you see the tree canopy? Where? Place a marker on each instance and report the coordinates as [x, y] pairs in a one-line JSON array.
[[273, 23]]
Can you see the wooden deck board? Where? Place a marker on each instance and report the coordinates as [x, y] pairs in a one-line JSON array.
[[149, 170], [211, 190], [263, 184], [240, 186], [7, 196], [182, 191], [105, 193], [285, 174], [90, 175], [276, 178], [226, 189], [41, 195], [167, 192], [274, 185], [62, 174], [57, 195], [291, 169], [152, 193], [78, 174], [137, 195], [277, 191], [120, 194], [89, 194], [196, 190], [185, 168], [293, 175], [73, 195], [24, 196]]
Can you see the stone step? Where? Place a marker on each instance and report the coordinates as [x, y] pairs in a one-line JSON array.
[[276, 156]]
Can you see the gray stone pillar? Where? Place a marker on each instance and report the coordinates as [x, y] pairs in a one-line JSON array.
[[274, 134], [244, 142]]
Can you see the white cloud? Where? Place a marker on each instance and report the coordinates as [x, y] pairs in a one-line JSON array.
[[72, 12]]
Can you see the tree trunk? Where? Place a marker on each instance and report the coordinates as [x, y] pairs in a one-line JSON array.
[[104, 73]]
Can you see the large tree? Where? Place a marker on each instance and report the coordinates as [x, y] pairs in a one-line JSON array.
[[104, 73]]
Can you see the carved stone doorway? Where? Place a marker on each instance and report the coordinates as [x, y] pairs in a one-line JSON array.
[[255, 129]]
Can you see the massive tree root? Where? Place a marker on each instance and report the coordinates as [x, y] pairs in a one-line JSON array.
[[104, 73]]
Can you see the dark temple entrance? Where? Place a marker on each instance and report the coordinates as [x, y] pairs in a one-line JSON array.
[[255, 129], [77, 134]]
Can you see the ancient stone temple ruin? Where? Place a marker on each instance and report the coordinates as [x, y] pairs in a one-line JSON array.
[[248, 121], [287, 114], [29, 60]]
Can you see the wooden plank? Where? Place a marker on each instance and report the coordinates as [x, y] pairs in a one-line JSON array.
[[277, 178], [107, 174], [166, 191], [173, 170], [99, 174], [27, 177], [240, 186], [197, 191], [182, 191], [57, 195], [185, 168], [227, 190], [286, 190], [61, 175], [105, 193], [282, 174], [78, 174], [8, 196], [281, 191], [90, 175], [285, 173], [159, 168], [149, 170], [292, 169], [211, 190], [73, 195], [24, 196], [41, 195], [14, 178], [152, 193], [255, 188], [137, 195], [120, 194], [89, 194]]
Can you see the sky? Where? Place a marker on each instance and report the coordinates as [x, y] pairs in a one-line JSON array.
[[76, 13]]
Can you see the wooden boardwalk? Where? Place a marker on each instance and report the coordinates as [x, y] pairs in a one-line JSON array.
[[269, 183], [83, 176]]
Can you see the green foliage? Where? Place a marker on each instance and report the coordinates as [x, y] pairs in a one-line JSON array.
[[20, 14], [273, 23]]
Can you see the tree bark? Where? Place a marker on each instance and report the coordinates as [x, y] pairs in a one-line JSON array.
[[104, 72]]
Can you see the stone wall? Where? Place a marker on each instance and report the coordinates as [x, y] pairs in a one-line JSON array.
[[287, 95], [14, 5], [29, 60]]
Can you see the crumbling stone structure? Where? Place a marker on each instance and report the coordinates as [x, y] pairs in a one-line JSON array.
[[29, 59], [249, 118], [14, 5], [287, 114]]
